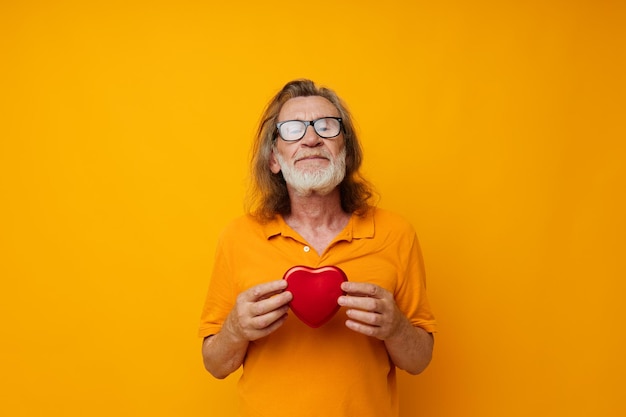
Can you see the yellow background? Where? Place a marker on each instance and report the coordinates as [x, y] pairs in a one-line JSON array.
[[497, 128]]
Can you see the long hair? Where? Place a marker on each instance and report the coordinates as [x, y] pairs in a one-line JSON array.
[[267, 195]]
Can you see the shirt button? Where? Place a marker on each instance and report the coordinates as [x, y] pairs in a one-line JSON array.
[[307, 249]]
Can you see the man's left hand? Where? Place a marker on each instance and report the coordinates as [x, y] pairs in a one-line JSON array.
[[371, 310]]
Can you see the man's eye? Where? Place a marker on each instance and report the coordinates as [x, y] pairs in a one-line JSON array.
[[321, 126]]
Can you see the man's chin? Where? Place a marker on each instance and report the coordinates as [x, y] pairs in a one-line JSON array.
[[306, 191]]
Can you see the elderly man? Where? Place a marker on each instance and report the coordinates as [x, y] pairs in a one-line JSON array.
[[311, 207]]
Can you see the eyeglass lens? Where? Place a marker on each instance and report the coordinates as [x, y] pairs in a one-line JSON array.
[[327, 127]]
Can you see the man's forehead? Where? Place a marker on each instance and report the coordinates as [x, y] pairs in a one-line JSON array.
[[307, 108]]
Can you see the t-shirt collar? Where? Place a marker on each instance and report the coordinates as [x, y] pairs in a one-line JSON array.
[[359, 227]]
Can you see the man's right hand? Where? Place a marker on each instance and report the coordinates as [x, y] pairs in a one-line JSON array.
[[259, 311]]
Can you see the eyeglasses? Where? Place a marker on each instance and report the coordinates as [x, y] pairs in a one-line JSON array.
[[325, 127]]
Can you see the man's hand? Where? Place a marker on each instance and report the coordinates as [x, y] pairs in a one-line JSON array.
[[372, 310], [258, 311]]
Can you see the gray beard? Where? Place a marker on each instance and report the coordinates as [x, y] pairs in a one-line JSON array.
[[322, 181]]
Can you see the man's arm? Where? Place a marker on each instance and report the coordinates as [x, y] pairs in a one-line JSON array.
[[373, 311], [411, 349], [259, 311]]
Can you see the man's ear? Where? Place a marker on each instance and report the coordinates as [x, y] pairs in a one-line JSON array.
[[274, 165]]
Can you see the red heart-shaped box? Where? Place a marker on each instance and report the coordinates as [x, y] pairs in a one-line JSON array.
[[315, 292]]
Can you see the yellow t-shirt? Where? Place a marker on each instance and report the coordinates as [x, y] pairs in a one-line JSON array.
[[329, 371]]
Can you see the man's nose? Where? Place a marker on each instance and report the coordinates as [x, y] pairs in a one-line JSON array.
[[311, 138]]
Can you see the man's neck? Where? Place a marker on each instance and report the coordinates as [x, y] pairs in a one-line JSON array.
[[317, 212], [317, 218]]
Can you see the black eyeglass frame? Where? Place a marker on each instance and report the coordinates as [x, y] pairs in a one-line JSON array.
[[311, 123]]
